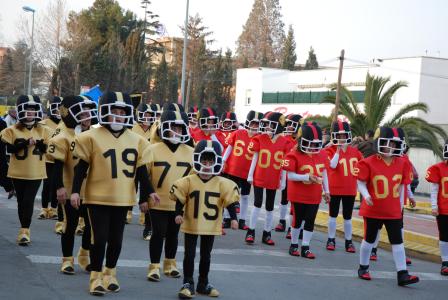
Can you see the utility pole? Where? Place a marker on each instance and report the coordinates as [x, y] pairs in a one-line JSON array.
[[338, 87], [29, 9], [184, 57]]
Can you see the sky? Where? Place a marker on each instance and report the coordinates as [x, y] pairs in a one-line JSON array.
[[366, 29]]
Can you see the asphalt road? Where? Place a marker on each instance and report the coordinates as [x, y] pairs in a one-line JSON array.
[[238, 271]]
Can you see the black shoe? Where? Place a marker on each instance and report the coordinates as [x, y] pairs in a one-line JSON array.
[[444, 268], [294, 250], [207, 289], [147, 233], [281, 226], [242, 224], [349, 247], [267, 238], [306, 252], [186, 291], [404, 278], [331, 244], [226, 223], [363, 273], [250, 236]]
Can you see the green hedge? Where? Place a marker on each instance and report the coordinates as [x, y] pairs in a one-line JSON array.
[[304, 97]]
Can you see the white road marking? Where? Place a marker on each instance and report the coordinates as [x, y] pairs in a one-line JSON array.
[[42, 259]]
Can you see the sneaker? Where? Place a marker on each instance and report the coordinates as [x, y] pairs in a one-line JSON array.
[[226, 223], [288, 234], [207, 290], [403, 278], [42, 214], [242, 224], [153, 272], [110, 280], [294, 250], [281, 226], [52, 213], [444, 269], [408, 261], [373, 255], [250, 236], [96, 286], [23, 238], [331, 244], [349, 247], [363, 273], [186, 291], [68, 266], [306, 252], [147, 233], [266, 239]]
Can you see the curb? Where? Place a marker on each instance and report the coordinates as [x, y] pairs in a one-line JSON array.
[[417, 245]]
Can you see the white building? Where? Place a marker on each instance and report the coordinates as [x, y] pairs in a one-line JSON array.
[[264, 89]]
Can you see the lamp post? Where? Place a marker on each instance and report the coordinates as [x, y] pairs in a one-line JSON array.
[[29, 9]]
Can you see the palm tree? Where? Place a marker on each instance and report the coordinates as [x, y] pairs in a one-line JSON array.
[[377, 100]]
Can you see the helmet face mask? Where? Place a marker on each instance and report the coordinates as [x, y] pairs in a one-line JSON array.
[[310, 146], [173, 134], [391, 146], [228, 125], [146, 117], [54, 110], [27, 111], [83, 111], [209, 123], [206, 159], [268, 126], [445, 151], [341, 138], [291, 127], [108, 115], [193, 119]]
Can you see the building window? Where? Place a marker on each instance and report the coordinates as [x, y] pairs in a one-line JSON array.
[[248, 97]]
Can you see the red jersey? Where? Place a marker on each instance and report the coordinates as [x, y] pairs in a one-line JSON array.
[[383, 183], [200, 135], [342, 179], [438, 173], [405, 157], [270, 159], [222, 137], [238, 162], [292, 142], [303, 163], [193, 132]]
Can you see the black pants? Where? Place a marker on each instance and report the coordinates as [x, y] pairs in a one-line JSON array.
[[393, 228], [304, 212], [48, 195], [270, 198], [71, 222], [347, 206], [61, 213], [442, 224], [107, 226], [148, 225], [163, 228], [284, 200], [241, 182], [190, 252], [26, 194]]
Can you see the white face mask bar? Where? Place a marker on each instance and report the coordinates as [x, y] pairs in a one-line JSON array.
[[386, 149], [230, 127], [249, 124], [128, 120], [24, 112], [269, 127], [171, 135], [54, 110], [214, 169], [310, 146], [203, 122], [291, 124], [339, 141], [141, 117], [445, 151], [88, 108]]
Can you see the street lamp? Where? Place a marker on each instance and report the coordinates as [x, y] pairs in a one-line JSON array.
[[184, 56], [29, 9]]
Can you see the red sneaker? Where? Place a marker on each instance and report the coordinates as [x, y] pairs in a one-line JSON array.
[[306, 252], [250, 236], [266, 239], [288, 234], [364, 274], [331, 244], [294, 250]]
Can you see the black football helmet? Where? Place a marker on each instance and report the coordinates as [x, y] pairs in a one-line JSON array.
[[272, 123], [208, 119], [147, 113], [208, 150], [76, 109], [228, 121], [171, 119], [193, 116], [29, 107], [390, 141], [173, 106], [53, 111], [341, 133], [292, 124], [253, 119], [310, 138], [113, 100]]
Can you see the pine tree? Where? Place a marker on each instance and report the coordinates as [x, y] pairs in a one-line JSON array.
[[161, 82], [227, 79], [173, 85], [311, 62], [289, 51], [263, 35]]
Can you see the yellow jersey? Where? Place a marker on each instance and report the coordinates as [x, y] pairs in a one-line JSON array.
[[137, 128], [203, 202], [165, 167], [61, 147], [113, 162], [28, 163], [50, 123], [154, 133]]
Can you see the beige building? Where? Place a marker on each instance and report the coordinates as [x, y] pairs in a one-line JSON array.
[[173, 53]]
